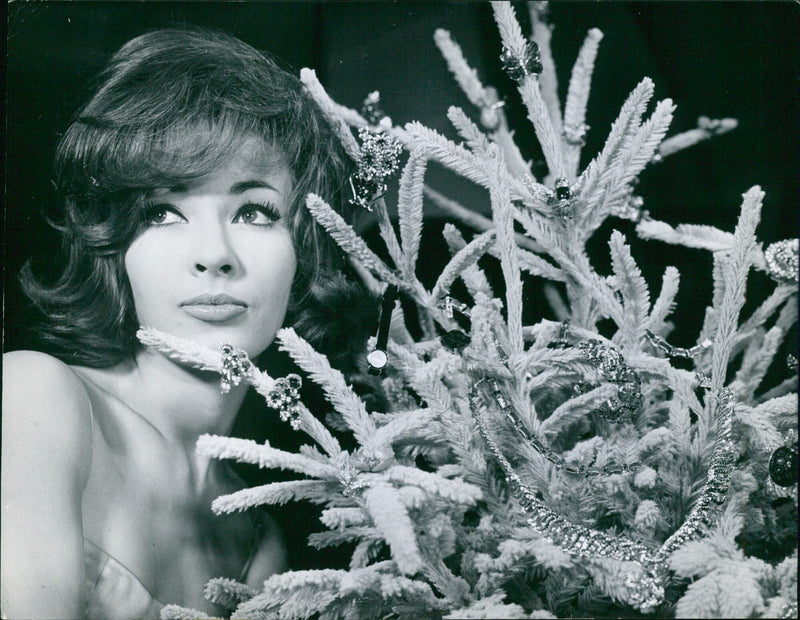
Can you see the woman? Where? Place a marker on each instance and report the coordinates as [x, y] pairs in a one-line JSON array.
[[184, 179]]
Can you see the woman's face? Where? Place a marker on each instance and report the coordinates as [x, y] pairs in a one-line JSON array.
[[215, 261]]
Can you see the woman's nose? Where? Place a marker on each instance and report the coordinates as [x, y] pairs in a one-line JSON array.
[[214, 254]]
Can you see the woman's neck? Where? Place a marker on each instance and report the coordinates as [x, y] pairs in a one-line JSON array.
[[180, 402]]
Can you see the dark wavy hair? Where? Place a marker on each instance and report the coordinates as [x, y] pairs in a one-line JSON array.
[[172, 105]]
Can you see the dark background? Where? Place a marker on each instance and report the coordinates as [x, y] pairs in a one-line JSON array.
[[720, 59]]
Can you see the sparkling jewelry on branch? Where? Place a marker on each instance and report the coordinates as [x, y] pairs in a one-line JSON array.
[[659, 343], [575, 134], [379, 157], [520, 67], [782, 261], [373, 113], [783, 463], [285, 397], [612, 367], [542, 448], [236, 365]]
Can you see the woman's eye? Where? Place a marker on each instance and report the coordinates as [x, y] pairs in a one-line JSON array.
[[161, 215], [258, 214]]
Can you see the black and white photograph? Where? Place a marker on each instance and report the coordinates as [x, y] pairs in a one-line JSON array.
[[387, 310]]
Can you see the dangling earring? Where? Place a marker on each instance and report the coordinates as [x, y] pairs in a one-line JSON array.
[[378, 359]]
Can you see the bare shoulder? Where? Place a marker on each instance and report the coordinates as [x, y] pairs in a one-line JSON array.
[[45, 405]]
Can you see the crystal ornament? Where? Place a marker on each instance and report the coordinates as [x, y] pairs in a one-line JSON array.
[[783, 466], [519, 67], [236, 365], [782, 261], [379, 157], [285, 397]]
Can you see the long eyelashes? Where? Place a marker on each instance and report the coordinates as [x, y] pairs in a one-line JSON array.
[[254, 213], [249, 214]]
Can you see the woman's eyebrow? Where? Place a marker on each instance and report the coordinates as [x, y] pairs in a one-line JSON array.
[[243, 186]]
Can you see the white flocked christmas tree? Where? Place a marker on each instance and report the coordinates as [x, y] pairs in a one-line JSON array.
[[577, 467]]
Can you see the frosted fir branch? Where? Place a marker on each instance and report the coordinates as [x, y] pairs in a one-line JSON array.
[[463, 259], [577, 99], [181, 350], [510, 31], [635, 153], [409, 210], [626, 123], [731, 590], [338, 518], [466, 76], [537, 266], [541, 33], [176, 612], [271, 494], [332, 382], [346, 535], [706, 129], [503, 217], [338, 116], [227, 593], [633, 288], [469, 131], [575, 409], [457, 158], [348, 239], [688, 235], [784, 387], [762, 430], [401, 426], [664, 304], [475, 220], [755, 363], [473, 276], [529, 88], [767, 308], [392, 520], [779, 407], [388, 235], [446, 152], [263, 455], [454, 490], [733, 298], [433, 392]]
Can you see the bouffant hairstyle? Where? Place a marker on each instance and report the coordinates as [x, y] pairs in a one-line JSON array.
[[170, 106]]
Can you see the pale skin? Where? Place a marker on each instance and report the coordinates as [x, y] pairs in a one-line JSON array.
[[108, 454]]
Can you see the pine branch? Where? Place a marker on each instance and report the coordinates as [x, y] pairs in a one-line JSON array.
[[463, 259], [410, 210], [263, 455], [529, 89], [665, 303], [473, 276], [348, 240], [392, 520], [338, 393], [577, 98], [635, 296], [733, 298], [338, 116], [466, 76], [273, 493], [541, 34]]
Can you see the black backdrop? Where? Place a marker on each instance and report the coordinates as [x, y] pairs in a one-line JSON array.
[[720, 59]]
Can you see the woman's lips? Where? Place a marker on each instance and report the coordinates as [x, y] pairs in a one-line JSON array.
[[214, 308], [214, 312]]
